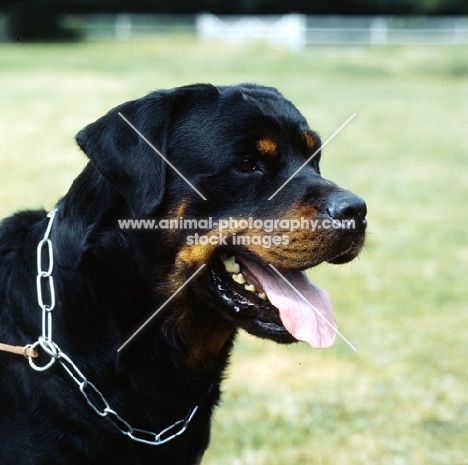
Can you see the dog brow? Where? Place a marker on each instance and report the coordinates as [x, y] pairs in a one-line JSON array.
[[309, 139], [267, 146]]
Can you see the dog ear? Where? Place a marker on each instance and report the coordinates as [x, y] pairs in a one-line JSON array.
[[124, 158]]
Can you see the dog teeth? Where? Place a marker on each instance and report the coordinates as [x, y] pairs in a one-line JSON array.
[[231, 266], [234, 268], [239, 278]]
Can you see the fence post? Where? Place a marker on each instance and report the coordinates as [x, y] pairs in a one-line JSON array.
[[378, 31], [123, 27], [460, 29]]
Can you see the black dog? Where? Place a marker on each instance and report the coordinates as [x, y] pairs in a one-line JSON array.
[[236, 264]]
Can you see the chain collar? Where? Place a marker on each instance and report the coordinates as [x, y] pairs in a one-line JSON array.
[[45, 280]]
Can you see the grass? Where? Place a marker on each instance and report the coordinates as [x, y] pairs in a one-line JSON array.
[[401, 398]]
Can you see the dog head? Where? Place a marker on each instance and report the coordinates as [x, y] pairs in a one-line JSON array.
[[236, 170]]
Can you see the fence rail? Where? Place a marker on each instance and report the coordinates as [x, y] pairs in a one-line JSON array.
[[387, 30], [295, 31]]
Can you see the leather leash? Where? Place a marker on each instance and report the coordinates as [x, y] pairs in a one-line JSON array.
[[25, 351]]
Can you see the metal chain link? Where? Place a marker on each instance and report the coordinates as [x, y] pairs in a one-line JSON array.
[[87, 389], [44, 279]]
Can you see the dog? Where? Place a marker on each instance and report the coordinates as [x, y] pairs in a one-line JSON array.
[[128, 346]]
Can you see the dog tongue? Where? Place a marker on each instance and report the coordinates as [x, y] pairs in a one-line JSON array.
[[310, 321]]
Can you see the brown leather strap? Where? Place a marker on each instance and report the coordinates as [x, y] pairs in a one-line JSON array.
[[25, 351]]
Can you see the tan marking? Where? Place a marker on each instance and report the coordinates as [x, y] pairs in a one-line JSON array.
[[309, 140], [206, 334], [197, 254], [304, 245], [207, 341], [181, 209], [267, 147]]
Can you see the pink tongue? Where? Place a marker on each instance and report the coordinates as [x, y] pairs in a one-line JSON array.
[[310, 321]]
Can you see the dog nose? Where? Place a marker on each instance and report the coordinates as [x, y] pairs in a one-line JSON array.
[[346, 206]]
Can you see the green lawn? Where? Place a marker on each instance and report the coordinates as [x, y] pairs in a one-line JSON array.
[[402, 398]]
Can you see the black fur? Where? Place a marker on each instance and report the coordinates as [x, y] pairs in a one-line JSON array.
[[108, 280]]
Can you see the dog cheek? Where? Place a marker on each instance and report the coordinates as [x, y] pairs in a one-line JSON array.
[[295, 250], [198, 248], [195, 254]]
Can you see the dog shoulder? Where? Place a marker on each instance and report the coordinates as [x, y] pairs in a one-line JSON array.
[[15, 228]]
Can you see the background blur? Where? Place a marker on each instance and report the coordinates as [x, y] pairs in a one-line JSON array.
[[403, 68]]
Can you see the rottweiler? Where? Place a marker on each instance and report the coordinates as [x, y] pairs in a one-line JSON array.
[[196, 215]]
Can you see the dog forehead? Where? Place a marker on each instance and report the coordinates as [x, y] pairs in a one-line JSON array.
[[237, 109], [243, 119], [258, 113], [258, 100]]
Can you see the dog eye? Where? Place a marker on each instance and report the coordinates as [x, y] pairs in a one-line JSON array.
[[246, 164]]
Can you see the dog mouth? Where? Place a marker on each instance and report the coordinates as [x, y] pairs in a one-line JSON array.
[[283, 305]]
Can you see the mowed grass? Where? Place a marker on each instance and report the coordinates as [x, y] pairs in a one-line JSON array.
[[402, 398]]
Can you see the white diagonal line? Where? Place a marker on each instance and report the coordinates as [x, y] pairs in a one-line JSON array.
[[313, 308], [160, 308], [162, 156], [313, 155]]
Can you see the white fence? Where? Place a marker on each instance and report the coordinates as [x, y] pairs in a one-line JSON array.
[[387, 30], [289, 30], [294, 31]]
